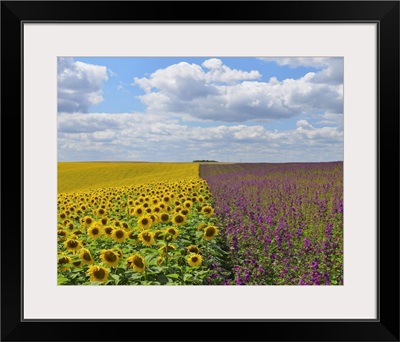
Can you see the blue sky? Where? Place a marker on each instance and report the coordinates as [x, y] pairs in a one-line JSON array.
[[180, 109]]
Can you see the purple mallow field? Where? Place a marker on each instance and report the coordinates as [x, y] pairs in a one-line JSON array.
[[282, 224]]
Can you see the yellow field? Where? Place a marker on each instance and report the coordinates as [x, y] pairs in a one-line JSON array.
[[77, 176]]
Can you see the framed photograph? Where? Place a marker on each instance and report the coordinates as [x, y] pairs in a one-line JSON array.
[[199, 162]]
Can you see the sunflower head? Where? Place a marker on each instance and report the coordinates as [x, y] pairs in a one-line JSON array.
[[119, 252], [188, 204], [146, 237], [193, 249], [70, 226], [62, 234], [109, 257], [164, 218], [173, 232], [77, 263], [72, 244], [201, 226], [194, 260], [87, 221], [108, 231], [125, 225], [64, 263], [207, 210], [160, 260], [98, 273], [157, 210], [77, 232], [104, 221], [100, 211], [145, 222], [164, 248], [210, 232], [86, 256], [178, 219], [95, 231], [184, 212], [159, 235], [136, 262], [133, 234], [119, 235]]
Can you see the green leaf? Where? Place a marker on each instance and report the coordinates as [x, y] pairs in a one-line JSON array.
[[162, 279], [61, 280], [116, 278], [187, 277], [173, 276], [135, 276]]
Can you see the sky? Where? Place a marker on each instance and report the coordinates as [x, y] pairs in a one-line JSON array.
[[180, 109]]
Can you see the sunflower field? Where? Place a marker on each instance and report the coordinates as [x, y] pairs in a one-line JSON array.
[[157, 233], [83, 176]]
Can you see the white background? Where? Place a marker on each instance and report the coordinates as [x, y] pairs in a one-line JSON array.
[[355, 299]]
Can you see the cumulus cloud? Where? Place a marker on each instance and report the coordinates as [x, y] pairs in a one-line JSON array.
[[79, 85], [140, 137], [215, 92], [331, 67]]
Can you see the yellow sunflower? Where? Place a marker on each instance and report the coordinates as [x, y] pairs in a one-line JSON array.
[[173, 231], [210, 232], [160, 260], [109, 257], [193, 249], [146, 237], [178, 219], [62, 216], [64, 263], [184, 212], [188, 204], [77, 263], [136, 262], [164, 218], [72, 244], [207, 210], [201, 226], [62, 234], [159, 235], [119, 252], [87, 221], [194, 260], [163, 249], [104, 221], [98, 273], [94, 231], [108, 230], [86, 256], [77, 232], [100, 211], [119, 235], [145, 222]]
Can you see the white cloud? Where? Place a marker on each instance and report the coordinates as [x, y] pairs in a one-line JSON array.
[[294, 62], [230, 95], [79, 85], [331, 67], [138, 136]]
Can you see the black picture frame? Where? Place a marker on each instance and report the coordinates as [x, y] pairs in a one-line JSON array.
[[15, 328]]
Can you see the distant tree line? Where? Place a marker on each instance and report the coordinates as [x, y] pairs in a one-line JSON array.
[[205, 161]]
